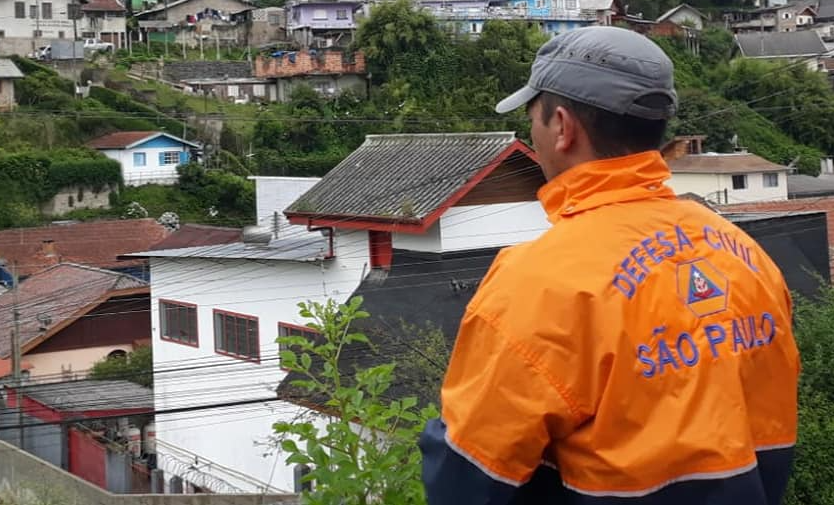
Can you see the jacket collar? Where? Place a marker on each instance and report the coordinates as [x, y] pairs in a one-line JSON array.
[[614, 180]]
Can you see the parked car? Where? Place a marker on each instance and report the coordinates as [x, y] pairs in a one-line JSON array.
[[41, 53], [97, 45]]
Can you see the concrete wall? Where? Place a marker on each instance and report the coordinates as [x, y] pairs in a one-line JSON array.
[[497, 225], [236, 440], [710, 186], [68, 199], [25, 479], [75, 363], [6, 94]]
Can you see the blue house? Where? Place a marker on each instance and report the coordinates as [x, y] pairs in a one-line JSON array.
[[146, 157]]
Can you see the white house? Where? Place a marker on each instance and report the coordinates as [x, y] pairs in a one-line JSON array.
[[146, 157], [684, 15], [723, 178], [395, 211], [25, 26]]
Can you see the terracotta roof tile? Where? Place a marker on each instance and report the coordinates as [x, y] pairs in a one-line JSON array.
[[94, 243], [56, 294], [119, 140]]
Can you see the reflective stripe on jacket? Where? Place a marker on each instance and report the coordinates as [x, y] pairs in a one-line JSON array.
[[639, 351]]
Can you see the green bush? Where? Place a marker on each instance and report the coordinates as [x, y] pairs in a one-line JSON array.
[[94, 173], [122, 103]]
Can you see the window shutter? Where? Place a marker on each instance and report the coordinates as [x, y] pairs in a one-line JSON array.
[[183, 157], [161, 159]]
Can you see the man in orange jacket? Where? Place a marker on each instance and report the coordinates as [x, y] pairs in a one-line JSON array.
[[640, 351]]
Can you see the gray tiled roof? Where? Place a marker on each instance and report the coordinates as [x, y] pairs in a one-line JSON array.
[[8, 70], [804, 185], [780, 44], [825, 10], [84, 395], [401, 176]]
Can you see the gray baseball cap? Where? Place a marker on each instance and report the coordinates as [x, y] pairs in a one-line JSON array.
[[611, 68]]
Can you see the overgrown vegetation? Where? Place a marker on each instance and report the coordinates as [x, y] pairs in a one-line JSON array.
[[135, 366]]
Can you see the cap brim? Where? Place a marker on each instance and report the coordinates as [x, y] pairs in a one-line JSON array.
[[516, 100]]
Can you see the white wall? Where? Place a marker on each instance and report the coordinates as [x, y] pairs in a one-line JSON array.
[[710, 186], [686, 16], [269, 290], [151, 173], [426, 242], [497, 225], [274, 194]]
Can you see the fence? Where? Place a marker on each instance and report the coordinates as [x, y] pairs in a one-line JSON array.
[[27, 479]]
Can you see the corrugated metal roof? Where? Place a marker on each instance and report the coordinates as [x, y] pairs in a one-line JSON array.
[[723, 163], [780, 44], [8, 70], [304, 249], [402, 176]]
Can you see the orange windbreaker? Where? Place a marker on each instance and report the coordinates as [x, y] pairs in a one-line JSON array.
[[641, 341]]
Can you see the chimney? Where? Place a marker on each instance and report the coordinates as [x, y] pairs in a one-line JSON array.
[[48, 248]]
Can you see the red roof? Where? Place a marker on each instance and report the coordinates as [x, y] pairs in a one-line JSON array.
[[119, 140], [103, 5], [57, 294], [94, 243], [194, 235]]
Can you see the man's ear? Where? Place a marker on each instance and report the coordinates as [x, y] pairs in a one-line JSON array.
[[565, 129]]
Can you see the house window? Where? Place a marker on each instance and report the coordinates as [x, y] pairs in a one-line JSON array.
[[771, 180], [61, 35], [170, 158], [2, 34], [37, 33], [570, 4], [33, 11], [292, 330], [786, 15], [88, 35], [274, 19], [139, 159], [739, 182], [178, 322], [320, 14], [540, 4], [20, 10], [236, 335], [46, 10], [341, 14]]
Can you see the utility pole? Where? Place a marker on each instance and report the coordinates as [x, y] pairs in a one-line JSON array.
[[17, 376]]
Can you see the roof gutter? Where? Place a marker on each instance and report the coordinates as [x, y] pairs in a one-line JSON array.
[[330, 232]]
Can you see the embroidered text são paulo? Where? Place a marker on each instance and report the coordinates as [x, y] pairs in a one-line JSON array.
[[642, 346]]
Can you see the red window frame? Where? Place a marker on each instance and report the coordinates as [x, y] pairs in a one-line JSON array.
[[163, 324], [284, 330], [234, 325]]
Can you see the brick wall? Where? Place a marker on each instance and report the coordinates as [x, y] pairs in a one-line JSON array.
[[325, 62], [679, 146], [819, 204]]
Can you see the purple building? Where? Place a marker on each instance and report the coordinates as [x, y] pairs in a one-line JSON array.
[[323, 24]]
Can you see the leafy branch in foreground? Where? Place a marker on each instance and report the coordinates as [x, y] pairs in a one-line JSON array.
[[362, 448]]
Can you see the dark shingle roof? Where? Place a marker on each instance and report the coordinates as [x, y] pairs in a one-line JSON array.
[[825, 10], [402, 176], [780, 44], [800, 186], [439, 285]]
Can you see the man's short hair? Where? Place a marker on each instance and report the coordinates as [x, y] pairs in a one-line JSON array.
[[611, 135]]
